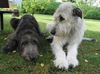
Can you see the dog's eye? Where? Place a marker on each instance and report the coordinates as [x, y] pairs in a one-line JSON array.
[[34, 41], [61, 18], [25, 42]]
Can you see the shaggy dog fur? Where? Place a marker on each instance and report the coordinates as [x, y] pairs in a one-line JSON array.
[[26, 37], [14, 23], [67, 30]]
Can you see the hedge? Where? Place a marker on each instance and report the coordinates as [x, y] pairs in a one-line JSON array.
[[94, 13], [50, 7]]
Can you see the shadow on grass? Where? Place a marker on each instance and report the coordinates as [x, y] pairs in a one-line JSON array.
[[93, 34]]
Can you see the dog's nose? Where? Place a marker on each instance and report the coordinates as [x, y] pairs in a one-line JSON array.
[[53, 32], [30, 57], [49, 39], [33, 57]]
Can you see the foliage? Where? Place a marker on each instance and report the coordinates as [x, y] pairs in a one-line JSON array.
[[51, 7], [32, 6], [89, 12], [94, 13], [26, 6], [43, 7], [84, 7]]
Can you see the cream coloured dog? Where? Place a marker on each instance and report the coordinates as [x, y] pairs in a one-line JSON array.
[[66, 28]]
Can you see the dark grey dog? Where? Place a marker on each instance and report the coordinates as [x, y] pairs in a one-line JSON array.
[[26, 37]]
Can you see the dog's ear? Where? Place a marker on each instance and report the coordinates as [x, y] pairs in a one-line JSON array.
[[61, 18], [77, 12], [14, 23]]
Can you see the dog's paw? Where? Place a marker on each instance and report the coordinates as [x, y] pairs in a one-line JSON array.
[[61, 63], [6, 49], [72, 63]]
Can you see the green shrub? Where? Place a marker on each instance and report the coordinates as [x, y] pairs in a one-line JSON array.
[[85, 8], [41, 7], [94, 13], [33, 6], [45, 7], [90, 12], [51, 7], [26, 6]]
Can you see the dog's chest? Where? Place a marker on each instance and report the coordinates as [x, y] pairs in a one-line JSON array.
[[66, 28]]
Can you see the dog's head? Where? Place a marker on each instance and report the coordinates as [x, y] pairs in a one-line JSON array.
[[67, 11], [26, 29], [28, 37], [29, 47], [66, 16]]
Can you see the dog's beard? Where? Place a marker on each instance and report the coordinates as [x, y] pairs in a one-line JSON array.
[[63, 28]]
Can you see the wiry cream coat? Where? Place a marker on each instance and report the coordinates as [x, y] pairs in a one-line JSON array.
[[71, 31]]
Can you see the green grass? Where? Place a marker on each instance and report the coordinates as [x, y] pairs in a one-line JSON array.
[[13, 63]]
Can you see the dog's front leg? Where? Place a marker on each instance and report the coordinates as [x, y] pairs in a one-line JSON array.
[[72, 55], [11, 44], [60, 56]]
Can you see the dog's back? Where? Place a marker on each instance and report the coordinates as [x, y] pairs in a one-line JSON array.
[[26, 22]]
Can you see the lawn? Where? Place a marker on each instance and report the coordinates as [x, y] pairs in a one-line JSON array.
[[89, 53]]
